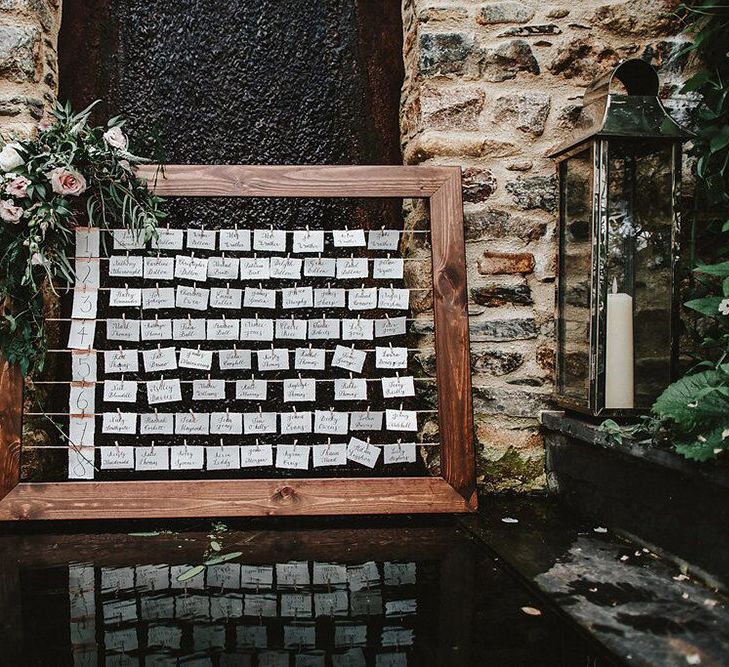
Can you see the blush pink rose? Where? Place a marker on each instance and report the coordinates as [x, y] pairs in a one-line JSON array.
[[18, 187], [67, 181], [9, 212]]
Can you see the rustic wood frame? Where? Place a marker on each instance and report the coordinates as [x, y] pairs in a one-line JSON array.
[[454, 491]]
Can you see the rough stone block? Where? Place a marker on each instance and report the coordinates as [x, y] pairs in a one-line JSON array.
[[534, 192], [507, 60], [526, 112], [442, 14], [510, 402], [491, 331], [429, 145], [478, 184], [496, 223], [638, 18], [19, 52], [13, 105], [504, 12], [495, 362], [542, 30], [444, 53], [502, 295], [39, 9], [491, 263], [583, 58], [546, 358], [451, 109]]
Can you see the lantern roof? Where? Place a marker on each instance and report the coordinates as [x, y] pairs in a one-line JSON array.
[[630, 110]]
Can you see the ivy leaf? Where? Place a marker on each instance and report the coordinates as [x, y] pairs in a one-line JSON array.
[[708, 305], [720, 269], [694, 400], [707, 447]]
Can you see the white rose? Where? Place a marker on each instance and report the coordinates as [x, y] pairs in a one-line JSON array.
[[10, 158], [115, 138]]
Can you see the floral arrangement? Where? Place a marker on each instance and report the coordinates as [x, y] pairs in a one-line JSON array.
[[68, 174]]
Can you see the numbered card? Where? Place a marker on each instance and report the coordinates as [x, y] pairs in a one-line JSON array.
[[124, 266], [363, 298], [223, 268], [255, 268], [310, 359], [295, 422], [297, 297], [201, 360], [350, 389], [234, 360], [286, 267], [122, 329], [369, 420], [117, 458], [201, 239], [168, 239], [320, 267], [394, 298], [388, 267], [352, 267], [120, 391], [192, 268], [226, 423], [391, 357], [237, 240], [159, 359], [255, 423], [156, 329], [256, 297], [119, 422], [208, 390], [390, 326], [81, 334], [156, 298], [362, 452], [163, 391], [84, 303], [291, 329], [308, 241], [192, 423], [256, 329], [400, 453], [348, 238], [273, 359], [357, 329], [225, 297], [223, 329], [329, 422], [194, 298], [324, 328], [121, 361], [334, 454], [251, 390], [128, 239], [383, 239], [398, 387], [293, 457], [83, 366], [81, 431], [299, 389], [157, 423], [87, 242], [349, 358], [151, 458], [401, 420], [269, 240], [226, 457], [186, 458], [159, 268], [253, 456], [87, 273], [329, 297], [188, 329]]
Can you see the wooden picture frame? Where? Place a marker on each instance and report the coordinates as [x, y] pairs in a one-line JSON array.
[[454, 491]]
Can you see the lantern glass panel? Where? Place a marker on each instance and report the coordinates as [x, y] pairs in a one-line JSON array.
[[576, 183], [638, 268]]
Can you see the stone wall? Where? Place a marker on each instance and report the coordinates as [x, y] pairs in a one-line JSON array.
[[493, 87]]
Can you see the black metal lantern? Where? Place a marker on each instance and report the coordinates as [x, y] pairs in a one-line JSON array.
[[619, 186]]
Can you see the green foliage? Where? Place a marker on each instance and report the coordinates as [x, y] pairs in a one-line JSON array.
[[696, 407], [68, 174]]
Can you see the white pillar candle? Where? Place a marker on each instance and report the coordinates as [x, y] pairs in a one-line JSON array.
[[619, 350]]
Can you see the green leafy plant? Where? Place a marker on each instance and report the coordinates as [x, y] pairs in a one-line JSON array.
[[68, 174], [696, 407]]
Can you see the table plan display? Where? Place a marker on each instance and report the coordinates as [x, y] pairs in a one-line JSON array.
[[242, 348]]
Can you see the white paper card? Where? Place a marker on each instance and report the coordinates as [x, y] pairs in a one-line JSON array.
[[117, 458], [259, 422], [81, 431], [362, 452], [87, 241], [324, 328], [401, 453], [159, 268], [223, 329], [350, 389], [163, 391], [303, 389], [83, 366], [273, 359], [291, 329], [349, 358], [232, 360], [292, 574], [308, 241], [119, 422], [128, 239], [334, 454], [188, 329], [397, 387], [255, 268], [390, 326], [151, 458], [388, 267], [252, 456], [223, 458], [383, 239], [84, 303], [391, 357], [121, 361], [191, 268], [329, 422], [297, 297], [295, 422], [122, 329], [255, 297], [155, 329], [235, 239], [269, 240], [201, 360], [168, 239], [194, 298], [286, 267], [157, 298], [192, 423], [329, 297], [256, 329], [309, 359], [292, 456], [226, 423], [81, 334], [223, 268], [203, 239], [120, 391], [357, 329], [352, 267], [320, 267], [186, 458], [158, 423], [329, 573], [393, 297], [87, 273], [226, 297], [348, 238], [125, 266], [159, 359], [366, 420], [401, 420], [82, 399], [363, 298], [208, 390], [251, 390]]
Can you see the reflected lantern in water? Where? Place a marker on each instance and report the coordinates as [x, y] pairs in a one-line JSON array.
[[617, 312]]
